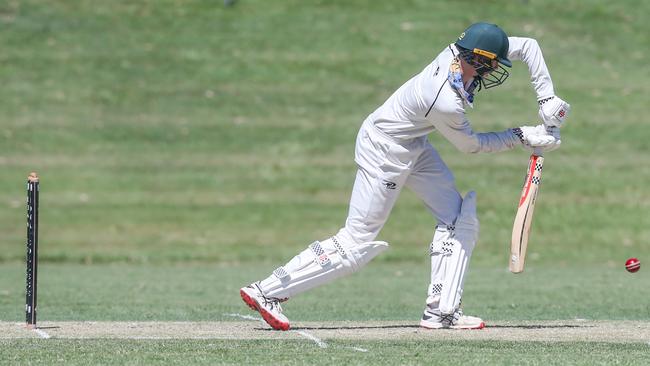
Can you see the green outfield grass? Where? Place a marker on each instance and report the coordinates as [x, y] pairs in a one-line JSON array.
[[215, 352], [187, 148], [190, 131]]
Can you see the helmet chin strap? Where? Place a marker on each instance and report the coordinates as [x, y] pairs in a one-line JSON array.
[[471, 85]]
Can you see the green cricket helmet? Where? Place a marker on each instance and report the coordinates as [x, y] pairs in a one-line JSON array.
[[480, 45]]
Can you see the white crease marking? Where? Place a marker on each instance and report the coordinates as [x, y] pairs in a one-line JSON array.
[[359, 349], [41, 333], [247, 317], [320, 343]]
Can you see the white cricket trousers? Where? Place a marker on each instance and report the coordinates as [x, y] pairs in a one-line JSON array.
[[385, 166]]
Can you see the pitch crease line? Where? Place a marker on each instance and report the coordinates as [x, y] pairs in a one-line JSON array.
[[41, 333], [247, 317], [319, 342], [359, 349]]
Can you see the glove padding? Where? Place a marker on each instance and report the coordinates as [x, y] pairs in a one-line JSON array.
[[553, 111], [539, 137]]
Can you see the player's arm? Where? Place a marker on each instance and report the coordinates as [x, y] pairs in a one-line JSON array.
[[528, 51], [553, 110], [457, 130]]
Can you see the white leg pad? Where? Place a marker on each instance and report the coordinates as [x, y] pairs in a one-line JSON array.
[[451, 250], [319, 264], [440, 248]]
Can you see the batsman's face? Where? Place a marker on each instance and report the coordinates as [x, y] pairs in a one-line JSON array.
[[479, 67], [468, 70]]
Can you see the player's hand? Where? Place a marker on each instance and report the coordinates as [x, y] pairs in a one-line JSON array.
[[555, 132], [539, 137], [553, 111]]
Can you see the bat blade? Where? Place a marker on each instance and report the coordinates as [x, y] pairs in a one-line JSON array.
[[524, 216]]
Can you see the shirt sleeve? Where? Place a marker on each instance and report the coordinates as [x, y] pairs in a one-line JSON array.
[[457, 130], [528, 51]]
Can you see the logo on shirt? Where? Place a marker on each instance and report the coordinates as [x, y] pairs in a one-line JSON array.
[[389, 185]]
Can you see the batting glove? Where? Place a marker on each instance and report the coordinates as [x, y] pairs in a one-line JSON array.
[[553, 111], [539, 137]]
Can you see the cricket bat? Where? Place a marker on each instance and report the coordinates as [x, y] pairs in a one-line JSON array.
[[524, 216]]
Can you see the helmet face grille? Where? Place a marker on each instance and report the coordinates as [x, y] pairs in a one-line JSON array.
[[495, 77], [490, 72]]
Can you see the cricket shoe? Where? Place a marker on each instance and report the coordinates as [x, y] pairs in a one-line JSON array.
[[433, 319], [268, 307]]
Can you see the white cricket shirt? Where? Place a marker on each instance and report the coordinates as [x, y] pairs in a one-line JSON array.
[[428, 102]]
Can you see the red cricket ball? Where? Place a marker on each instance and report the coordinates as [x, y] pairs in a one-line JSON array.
[[632, 265]]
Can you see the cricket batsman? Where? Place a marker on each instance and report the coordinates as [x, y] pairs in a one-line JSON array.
[[392, 152]]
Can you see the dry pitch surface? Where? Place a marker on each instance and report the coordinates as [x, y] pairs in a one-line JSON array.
[[321, 332]]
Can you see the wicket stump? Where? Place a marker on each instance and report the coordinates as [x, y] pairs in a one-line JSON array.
[[32, 249]]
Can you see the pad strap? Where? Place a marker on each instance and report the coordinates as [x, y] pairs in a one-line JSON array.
[[281, 273], [339, 247], [436, 288], [320, 256], [445, 248]]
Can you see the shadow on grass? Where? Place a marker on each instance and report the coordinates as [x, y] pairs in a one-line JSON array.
[[540, 326], [415, 326], [393, 326]]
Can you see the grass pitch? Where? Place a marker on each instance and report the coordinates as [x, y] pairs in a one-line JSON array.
[[383, 343]]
